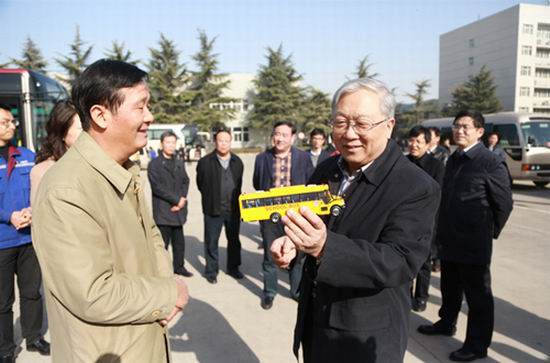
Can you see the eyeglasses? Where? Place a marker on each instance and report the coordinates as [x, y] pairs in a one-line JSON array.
[[6, 123], [341, 124], [466, 128]]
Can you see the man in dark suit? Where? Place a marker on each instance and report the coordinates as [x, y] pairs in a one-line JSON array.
[[493, 146], [419, 142], [317, 153], [438, 151], [219, 179], [170, 184], [476, 203], [282, 165], [355, 291]]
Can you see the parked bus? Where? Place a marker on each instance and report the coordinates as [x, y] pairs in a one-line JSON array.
[[31, 96], [274, 203], [524, 137], [188, 137]]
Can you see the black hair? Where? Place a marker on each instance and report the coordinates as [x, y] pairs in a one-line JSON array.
[[60, 121], [286, 123], [436, 130], [219, 131], [317, 131], [100, 83], [421, 130], [5, 107], [476, 116], [166, 134]]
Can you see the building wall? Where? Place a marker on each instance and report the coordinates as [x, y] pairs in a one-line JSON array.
[[508, 44]]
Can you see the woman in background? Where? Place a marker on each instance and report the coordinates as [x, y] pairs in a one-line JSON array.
[[62, 128]]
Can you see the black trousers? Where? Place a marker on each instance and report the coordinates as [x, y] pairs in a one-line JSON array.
[[174, 235], [422, 282], [20, 261], [212, 230], [473, 281], [271, 231]]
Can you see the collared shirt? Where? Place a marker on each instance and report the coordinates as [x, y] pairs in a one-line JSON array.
[[348, 179], [281, 170]]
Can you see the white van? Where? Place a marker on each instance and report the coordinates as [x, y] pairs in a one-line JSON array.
[[524, 137]]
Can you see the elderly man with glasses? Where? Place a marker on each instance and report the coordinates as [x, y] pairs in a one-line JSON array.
[[355, 290]]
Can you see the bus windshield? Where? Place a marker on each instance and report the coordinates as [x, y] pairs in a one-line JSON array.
[[536, 132]]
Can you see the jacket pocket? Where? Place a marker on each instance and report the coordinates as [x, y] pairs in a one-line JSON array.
[[357, 315]]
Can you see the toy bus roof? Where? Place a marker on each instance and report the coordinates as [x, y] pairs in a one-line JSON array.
[[281, 191]]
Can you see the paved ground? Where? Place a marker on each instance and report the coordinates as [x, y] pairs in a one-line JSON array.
[[225, 323]]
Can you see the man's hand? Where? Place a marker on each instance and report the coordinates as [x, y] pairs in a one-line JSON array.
[[183, 299], [179, 206], [306, 230], [21, 219], [283, 251]]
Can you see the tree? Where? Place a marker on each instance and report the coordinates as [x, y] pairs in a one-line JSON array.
[[4, 65], [363, 68], [207, 86], [278, 95], [316, 110], [77, 60], [418, 99], [31, 57], [118, 52], [478, 93], [167, 80]]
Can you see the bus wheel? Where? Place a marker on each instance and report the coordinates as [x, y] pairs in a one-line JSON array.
[[335, 210], [275, 217], [540, 184]]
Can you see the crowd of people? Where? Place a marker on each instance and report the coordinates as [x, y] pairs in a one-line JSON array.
[[111, 288]]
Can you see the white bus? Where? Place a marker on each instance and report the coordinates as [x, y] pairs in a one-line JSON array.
[[188, 137], [524, 137], [31, 97]]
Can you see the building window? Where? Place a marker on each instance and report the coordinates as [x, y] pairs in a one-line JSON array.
[[240, 134], [543, 53], [525, 71], [542, 73], [472, 43], [524, 109], [471, 61], [527, 28], [542, 92], [524, 91], [526, 50]]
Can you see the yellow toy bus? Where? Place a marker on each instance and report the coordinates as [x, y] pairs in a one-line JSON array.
[[274, 203]]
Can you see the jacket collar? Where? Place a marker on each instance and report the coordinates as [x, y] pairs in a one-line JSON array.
[[382, 165], [119, 176]]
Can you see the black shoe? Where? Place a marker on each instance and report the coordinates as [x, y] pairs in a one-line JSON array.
[[8, 358], [436, 330], [267, 302], [236, 274], [184, 272], [419, 305], [212, 279], [39, 345], [466, 355]]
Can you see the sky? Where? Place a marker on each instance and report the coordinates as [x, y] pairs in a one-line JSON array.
[[325, 38]]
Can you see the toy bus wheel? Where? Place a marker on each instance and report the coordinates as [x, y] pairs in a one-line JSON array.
[[336, 210], [275, 217]]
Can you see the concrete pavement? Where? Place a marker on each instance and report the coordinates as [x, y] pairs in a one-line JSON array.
[[225, 323]]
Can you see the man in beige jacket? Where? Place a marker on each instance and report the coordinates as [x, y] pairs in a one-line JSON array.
[[109, 285]]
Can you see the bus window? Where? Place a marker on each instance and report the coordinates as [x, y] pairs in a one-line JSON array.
[[295, 198], [536, 133], [508, 134]]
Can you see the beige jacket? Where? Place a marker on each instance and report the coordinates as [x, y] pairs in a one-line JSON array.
[[107, 277]]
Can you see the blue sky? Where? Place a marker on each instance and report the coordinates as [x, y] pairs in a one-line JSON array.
[[325, 37]]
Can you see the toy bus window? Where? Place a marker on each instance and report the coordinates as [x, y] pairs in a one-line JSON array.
[[277, 200], [295, 198]]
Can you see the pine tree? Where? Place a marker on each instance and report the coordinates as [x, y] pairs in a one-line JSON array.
[[31, 57], [363, 69], [118, 52], [4, 65], [77, 60], [167, 81], [316, 110], [278, 95], [207, 87], [478, 93], [419, 99]]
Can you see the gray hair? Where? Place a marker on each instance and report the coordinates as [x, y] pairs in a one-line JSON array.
[[387, 101]]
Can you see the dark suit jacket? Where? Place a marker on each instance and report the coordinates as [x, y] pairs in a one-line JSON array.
[[324, 155], [434, 167], [209, 173], [440, 153], [476, 203], [168, 186], [355, 306], [300, 171]]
